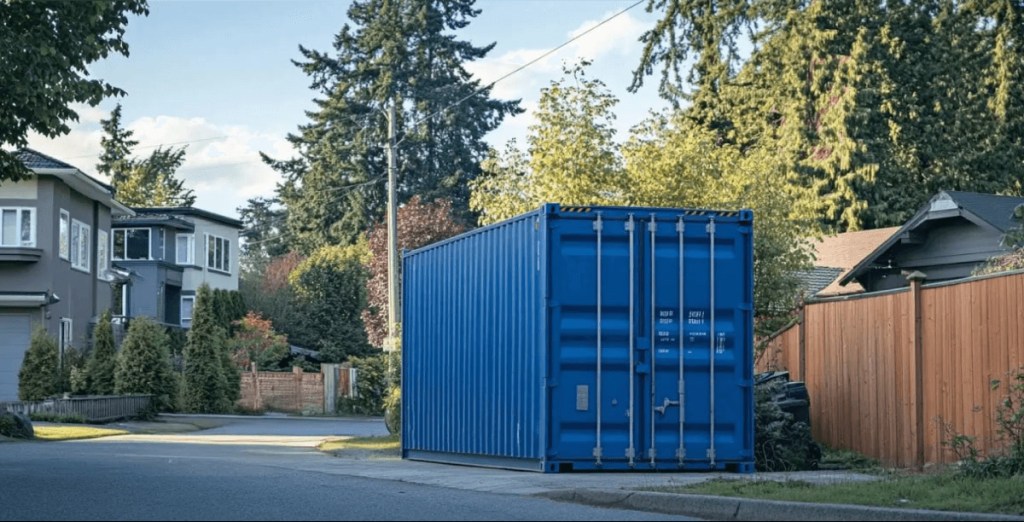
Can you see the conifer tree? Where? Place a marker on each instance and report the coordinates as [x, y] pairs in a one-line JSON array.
[[206, 386], [400, 53], [144, 364], [102, 363], [39, 376]]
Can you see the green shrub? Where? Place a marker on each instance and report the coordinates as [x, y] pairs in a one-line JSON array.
[[74, 378], [144, 364], [15, 426], [780, 442], [102, 363], [371, 387], [206, 380], [39, 376], [393, 410]]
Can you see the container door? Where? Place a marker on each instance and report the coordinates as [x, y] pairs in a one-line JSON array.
[[695, 316]]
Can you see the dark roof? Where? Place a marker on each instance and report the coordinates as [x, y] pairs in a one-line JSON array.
[[817, 279], [189, 211], [151, 220], [34, 159], [994, 210], [981, 209]]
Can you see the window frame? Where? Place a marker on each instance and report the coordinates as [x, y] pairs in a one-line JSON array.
[[190, 250], [221, 252], [181, 310], [64, 235], [149, 243], [102, 247], [84, 241], [65, 337], [18, 220]]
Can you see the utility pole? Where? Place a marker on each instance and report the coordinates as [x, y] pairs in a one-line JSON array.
[[393, 308]]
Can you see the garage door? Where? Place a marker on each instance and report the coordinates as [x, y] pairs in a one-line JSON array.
[[15, 331]]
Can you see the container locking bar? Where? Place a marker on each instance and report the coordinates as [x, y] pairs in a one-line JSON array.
[[681, 451], [598, 451], [711, 339], [653, 228], [631, 450]]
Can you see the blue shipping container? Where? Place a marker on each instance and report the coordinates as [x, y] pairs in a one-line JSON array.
[[599, 338]]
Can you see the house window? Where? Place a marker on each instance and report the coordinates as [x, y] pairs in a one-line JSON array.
[[218, 253], [81, 235], [65, 337], [65, 235], [102, 248], [187, 303], [17, 227], [131, 243], [186, 247]]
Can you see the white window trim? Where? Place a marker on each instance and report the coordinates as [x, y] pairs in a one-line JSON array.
[[149, 244], [181, 310], [64, 243], [190, 250], [206, 256], [84, 234], [102, 265], [17, 227], [65, 338]]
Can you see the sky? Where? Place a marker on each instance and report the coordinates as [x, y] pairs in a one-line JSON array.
[[217, 76]]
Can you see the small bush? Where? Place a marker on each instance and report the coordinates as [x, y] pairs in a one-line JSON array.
[[16, 426], [39, 377], [780, 443], [102, 363], [393, 410], [1010, 427], [74, 378], [371, 387]]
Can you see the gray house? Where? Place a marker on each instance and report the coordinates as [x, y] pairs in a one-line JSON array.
[[947, 239], [167, 253], [54, 258]]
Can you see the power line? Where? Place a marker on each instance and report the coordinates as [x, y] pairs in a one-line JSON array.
[[155, 146]]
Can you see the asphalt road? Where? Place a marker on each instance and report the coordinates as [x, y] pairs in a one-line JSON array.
[[134, 479]]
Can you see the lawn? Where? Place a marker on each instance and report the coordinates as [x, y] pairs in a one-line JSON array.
[[364, 447], [57, 433], [943, 491]]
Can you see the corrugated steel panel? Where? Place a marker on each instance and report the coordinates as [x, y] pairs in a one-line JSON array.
[[569, 338]]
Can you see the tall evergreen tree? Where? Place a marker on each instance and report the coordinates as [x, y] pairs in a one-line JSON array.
[[399, 52], [144, 364], [146, 182], [206, 384], [39, 376], [103, 359]]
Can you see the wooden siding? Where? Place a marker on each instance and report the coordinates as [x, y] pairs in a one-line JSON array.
[[886, 371]]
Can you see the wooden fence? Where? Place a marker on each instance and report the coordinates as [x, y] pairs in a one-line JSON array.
[[296, 391], [887, 372], [93, 409]]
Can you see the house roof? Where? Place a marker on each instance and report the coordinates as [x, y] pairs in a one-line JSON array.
[[985, 210], [151, 220], [189, 211], [42, 164], [816, 279], [841, 253]]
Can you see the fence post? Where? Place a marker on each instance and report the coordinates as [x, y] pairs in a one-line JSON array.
[[257, 401], [802, 362], [917, 378], [297, 373]]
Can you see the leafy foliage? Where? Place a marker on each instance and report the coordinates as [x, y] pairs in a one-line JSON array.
[[371, 386], [102, 363], [15, 425], [46, 49], [74, 377], [144, 364], [206, 381], [255, 341], [780, 442], [402, 53], [331, 285], [419, 224], [148, 182], [266, 291], [1010, 427], [39, 376], [863, 103]]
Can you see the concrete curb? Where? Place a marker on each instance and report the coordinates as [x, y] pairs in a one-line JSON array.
[[735, 508], [275, 417]]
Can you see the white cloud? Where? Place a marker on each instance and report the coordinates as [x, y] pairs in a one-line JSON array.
[[222, 162]]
